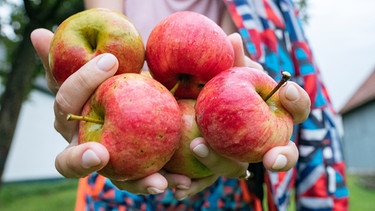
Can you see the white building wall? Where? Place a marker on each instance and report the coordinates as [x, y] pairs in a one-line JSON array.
[[36, 143]]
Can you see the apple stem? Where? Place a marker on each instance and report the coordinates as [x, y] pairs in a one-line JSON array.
[[72, 117], [284, 79], [174, 89]]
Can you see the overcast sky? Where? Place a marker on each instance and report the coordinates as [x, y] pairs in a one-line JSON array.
[[342, 36]]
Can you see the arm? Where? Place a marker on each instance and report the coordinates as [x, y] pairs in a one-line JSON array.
[[116, 5]]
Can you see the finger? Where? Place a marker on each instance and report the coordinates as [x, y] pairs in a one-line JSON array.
[[152, 184], [240, 59], [281, 158], [239, 53], [78, 88], [77, 161], [177, 181], [217, 164], [41, 40], [296, 101], [196, 186]]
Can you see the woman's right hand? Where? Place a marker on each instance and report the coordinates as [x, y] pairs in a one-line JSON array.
[[76, 160]]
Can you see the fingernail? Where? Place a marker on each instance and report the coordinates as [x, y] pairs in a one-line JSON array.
[[280, 162], [182, 187], [291, 93], [152, 190], [90, 159], [201, 150], [106, 62]]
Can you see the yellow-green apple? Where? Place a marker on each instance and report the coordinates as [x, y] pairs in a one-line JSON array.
[[183, 161], [89, 33], [239, 118], [137, 119], [187, 49]]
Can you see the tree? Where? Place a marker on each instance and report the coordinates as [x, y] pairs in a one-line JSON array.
[[21, 65]]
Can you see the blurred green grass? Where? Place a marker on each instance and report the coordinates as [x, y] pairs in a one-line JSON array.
[[60, 195], [361, 192], [56, 194]]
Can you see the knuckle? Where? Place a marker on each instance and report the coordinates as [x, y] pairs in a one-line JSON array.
[[80, 81], [62, 105]]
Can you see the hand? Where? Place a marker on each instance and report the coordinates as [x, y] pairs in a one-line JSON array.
[[294, 99], [76, 160]]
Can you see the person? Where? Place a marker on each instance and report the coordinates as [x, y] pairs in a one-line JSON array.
[[270, 32]]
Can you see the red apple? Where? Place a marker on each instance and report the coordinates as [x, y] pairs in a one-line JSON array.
[[183, 161], [234, 118], [188, 49], [138, 122], [87, 34]]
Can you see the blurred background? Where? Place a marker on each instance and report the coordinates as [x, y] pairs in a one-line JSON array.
[[341, 34]]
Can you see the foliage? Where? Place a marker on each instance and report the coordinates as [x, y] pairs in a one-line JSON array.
[[302, 6], [39, 13], [12, 19]]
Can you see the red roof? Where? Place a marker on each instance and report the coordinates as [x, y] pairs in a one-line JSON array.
[[364, 94]]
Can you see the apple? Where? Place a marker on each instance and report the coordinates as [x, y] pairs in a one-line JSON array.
[[89, 33], [137, 119], [240, 115], [183, 161], [185, 50]]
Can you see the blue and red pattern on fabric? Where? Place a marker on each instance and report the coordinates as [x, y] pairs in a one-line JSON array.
[[319, 176], [224, 194]]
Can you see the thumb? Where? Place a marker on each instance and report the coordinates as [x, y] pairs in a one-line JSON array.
[[78, 161], [78, 88], [296, 101]]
